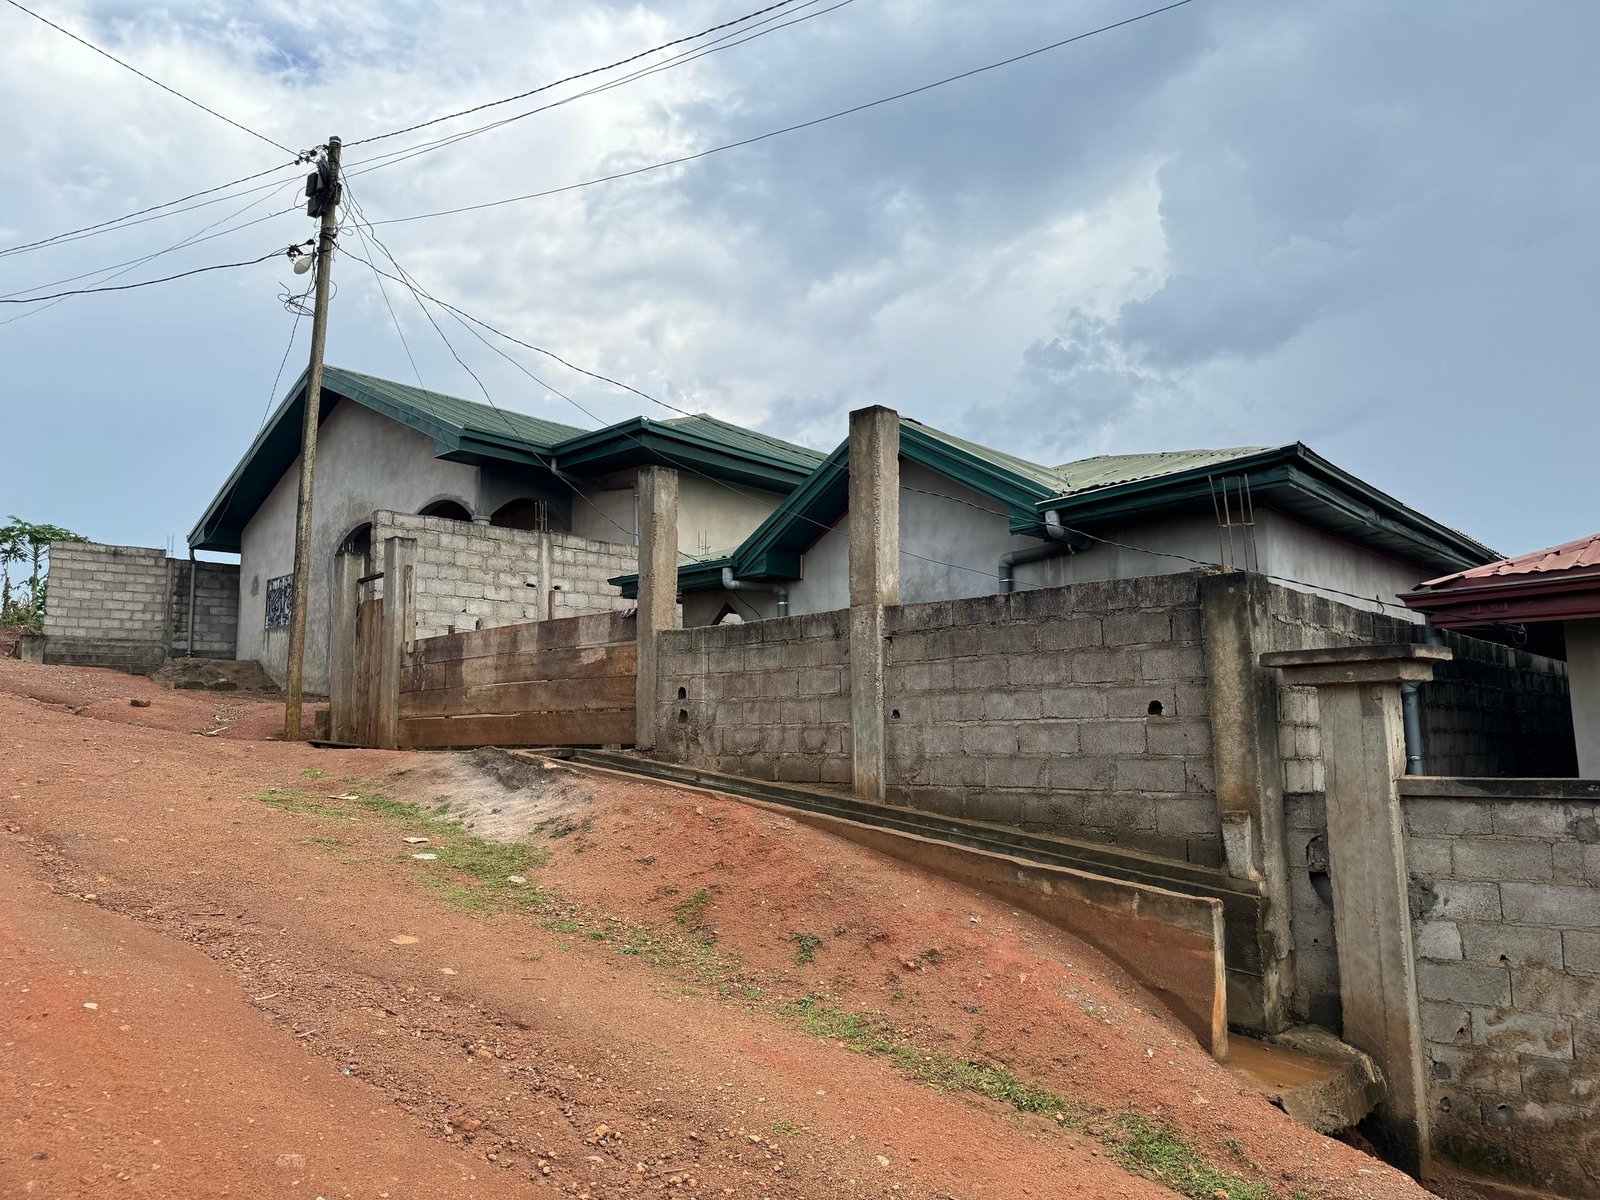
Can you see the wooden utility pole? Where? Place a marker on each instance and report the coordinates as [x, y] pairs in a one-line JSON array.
[[327, 196]]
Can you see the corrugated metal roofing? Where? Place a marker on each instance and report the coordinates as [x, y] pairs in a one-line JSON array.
[[1045, 477], [453, 411], [737, 437], [1108, 470], [1581, 556]]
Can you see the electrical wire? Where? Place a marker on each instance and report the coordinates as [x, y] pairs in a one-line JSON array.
[[570, 78], [128, 287], [726, 42], [419, 295], [193, 239], [833, 116], [106, 226], [129, 67], [405, 280]]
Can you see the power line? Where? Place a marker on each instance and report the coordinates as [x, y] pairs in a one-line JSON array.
[[126, 287], [193, 239], [127, 66], [726, 42], [570, 78], [73, 235], [834, 116], [106, 274]]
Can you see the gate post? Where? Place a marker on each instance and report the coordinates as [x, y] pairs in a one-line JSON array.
[[1363, 757], [874, 583], [658, 591], [342, 648], [399, 627]]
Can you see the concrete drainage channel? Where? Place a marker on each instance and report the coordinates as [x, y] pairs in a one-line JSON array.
[[1315, 1078]]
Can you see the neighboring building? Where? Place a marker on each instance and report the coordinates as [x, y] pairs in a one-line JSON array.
[[517, 518], [975, 520], [1560, 585]]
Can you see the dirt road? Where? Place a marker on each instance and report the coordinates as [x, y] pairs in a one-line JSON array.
[[226, 972]]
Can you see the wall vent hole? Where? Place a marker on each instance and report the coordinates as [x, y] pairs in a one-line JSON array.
[[894, 714], [683, 716], [683, 693], [1156, 708]]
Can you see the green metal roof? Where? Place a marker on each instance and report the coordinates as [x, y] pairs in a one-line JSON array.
[[467, 431], [1103, 470], [1293, 479], [1098, 492]]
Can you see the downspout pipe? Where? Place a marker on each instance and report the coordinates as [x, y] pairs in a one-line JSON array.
[[193, 571], [1411, 712], [1062, 541], [729, 583]]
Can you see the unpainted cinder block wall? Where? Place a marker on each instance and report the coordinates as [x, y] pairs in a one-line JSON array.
[[1505, 900], [481, 576], [126, 607], [216, 608], [768, 699], [1492, 710], [1078, 711]]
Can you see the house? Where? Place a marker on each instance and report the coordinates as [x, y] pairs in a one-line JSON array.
[[516, 517], [1558, 586], [974, 520]]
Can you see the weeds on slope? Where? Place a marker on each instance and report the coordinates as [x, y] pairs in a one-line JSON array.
[[1145, 1147], [467, 872]]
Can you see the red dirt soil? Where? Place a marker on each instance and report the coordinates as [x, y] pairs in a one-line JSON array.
[[259, 1031]]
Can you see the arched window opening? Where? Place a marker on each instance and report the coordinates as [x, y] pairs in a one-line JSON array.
[[450, 510], [525, 513]]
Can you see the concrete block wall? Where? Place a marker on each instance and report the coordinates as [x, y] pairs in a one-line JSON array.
[[216, 608], [1492, 710], [1505, 899], [767, 699], [579, 568], [480, 576], [107, 606], [1079, 711], [1497, 710]]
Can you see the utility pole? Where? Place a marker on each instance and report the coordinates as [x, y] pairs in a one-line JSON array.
[[322, 192]]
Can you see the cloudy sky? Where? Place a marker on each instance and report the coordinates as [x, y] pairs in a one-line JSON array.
[[1368, 226]]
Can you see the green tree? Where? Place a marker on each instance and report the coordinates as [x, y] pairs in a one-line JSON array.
[[27, 543]]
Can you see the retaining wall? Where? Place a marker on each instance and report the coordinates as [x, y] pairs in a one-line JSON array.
[[126, 607], [1505, 900]]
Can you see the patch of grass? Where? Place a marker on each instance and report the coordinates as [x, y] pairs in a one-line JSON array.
[[805, 948], [312, 773], [302, 803], [688, 911], [1155, 1150], [469, 874], [1142, 1146], [561, 925], [786, 1128], [327, 843], [596, 935]]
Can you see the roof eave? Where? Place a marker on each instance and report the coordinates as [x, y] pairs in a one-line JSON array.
[[1324, 494]]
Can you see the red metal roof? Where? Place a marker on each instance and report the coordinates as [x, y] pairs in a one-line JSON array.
[[1558, 583]]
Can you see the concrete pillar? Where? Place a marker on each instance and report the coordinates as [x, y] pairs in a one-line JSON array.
[[658, 590], [398, 630], [342, 646], [1363, 757], [874, 583], [1583, 679], [1249, 785]]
